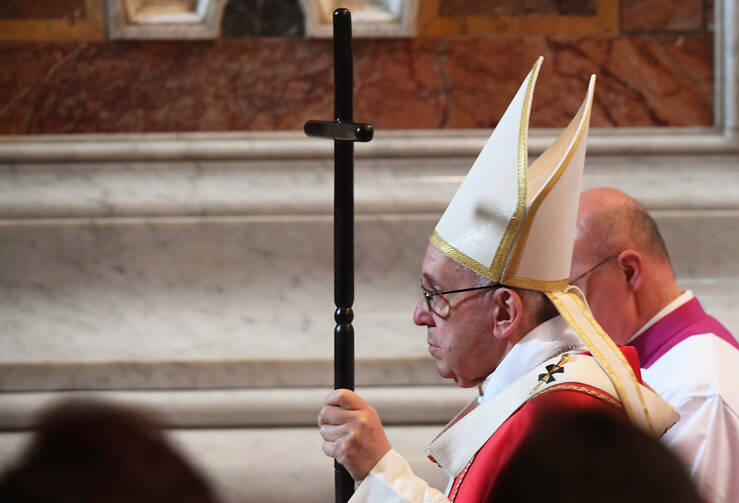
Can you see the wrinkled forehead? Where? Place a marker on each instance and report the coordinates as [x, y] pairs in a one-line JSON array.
[[439, 270]]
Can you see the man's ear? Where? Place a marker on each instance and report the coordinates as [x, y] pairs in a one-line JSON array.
[[632, 268], [507, 312]]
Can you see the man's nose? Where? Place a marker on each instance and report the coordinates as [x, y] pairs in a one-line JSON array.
[[422, 315]]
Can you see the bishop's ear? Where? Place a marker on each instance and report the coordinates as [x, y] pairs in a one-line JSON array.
[[631, 265], [507, 312]]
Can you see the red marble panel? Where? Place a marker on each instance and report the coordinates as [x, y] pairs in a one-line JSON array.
[[42, 9], [402, 84], [277, 84], [661, 15], [642, 81], [460, 8], [196, 86]]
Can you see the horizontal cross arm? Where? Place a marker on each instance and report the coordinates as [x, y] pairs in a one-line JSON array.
[[344, 131]]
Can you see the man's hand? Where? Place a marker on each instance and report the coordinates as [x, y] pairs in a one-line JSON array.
[[352, 432]]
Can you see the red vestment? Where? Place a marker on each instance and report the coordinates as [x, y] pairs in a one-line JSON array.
[[476, 482], [537, 380]]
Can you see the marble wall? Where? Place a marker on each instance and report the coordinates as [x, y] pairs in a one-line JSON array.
[[654, 60], [25, 21], [201, 289], [21, 9], [190, 274], [515, 7], [664, 15], [582, 17]]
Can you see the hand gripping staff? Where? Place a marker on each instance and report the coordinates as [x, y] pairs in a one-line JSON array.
[[344, 132]]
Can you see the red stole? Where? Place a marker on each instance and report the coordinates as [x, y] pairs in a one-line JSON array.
[[476, 482]]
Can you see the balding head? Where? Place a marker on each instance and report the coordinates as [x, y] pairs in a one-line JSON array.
[[620, 262], [611, 221]]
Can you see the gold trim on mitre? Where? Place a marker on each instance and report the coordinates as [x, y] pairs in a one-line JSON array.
[[456, 255], [540, 285], [510, 273], [514, 226]]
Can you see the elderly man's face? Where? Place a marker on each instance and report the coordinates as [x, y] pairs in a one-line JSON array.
[[462, 341]]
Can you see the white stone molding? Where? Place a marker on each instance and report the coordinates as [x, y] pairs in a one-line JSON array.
[[180, 187], [247, 407], [726, 71], [164, 19], [392, 143], [370, 18]]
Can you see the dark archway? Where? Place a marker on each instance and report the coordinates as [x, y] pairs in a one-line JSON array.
[[263, 18]]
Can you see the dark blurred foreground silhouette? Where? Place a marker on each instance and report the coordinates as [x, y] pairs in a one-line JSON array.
[[94, 452], [593, 457]]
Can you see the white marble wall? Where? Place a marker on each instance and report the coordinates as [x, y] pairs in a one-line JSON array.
[[191, 275], [215, 274], [201, 289]]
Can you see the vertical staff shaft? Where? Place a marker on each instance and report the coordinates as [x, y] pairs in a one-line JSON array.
[[343, 227]]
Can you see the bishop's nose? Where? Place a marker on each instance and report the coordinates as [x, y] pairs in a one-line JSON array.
[[421, 315]]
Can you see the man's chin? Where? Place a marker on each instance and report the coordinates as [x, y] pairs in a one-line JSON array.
[[444, 372], [466, 384], [448, 374]]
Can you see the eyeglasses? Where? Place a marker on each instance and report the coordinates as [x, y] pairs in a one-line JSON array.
[[438, 304], [602, 262]]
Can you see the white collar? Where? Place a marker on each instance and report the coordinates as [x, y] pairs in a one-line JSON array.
[[549, 339], [686, 296]]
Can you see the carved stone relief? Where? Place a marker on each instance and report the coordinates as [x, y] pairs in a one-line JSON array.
[[201, 19], [165, 19], [370, 18]]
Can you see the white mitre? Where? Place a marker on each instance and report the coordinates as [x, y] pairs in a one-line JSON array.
[[515, 224], [512, 223]]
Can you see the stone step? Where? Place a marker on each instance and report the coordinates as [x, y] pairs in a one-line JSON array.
[[298, 187], [252, 408], [91, 370], [246, 302]]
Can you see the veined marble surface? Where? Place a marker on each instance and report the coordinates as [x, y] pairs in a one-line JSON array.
[[300, 187], [246, 302], [203, 291], [157, 275], [248, 408], [657, 79]]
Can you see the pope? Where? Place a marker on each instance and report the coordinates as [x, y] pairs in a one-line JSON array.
[[501, 316]]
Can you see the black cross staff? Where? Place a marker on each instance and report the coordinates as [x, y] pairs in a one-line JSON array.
[[344, 132]]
